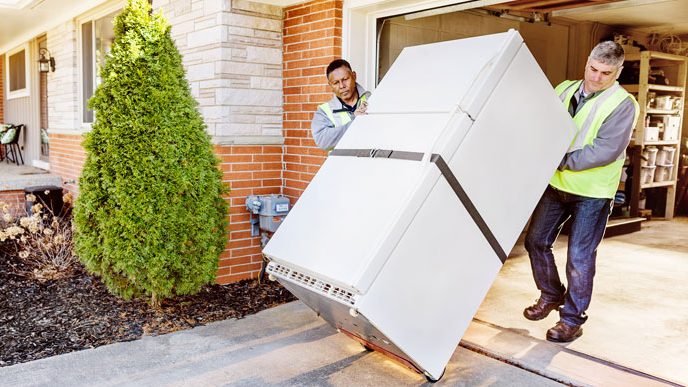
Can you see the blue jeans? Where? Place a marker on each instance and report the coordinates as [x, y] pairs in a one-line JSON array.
[[588, 221]]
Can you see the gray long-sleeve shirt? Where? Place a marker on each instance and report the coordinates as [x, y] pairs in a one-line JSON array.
[[325, 133], [611, 141]]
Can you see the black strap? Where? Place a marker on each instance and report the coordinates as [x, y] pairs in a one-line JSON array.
[[468, 204], [378, 153], [448, 176]]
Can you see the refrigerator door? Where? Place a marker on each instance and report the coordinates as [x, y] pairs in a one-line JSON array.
[[513, 148]]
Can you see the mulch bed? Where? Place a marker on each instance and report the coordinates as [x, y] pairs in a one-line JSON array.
[[42, 319]]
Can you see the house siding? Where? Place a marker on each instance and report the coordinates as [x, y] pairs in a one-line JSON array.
[[2, 88], [257, 72], [232, 53], [312, 39]]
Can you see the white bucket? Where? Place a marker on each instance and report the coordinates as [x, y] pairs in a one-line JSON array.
[[647, 175], [649, 157], [663, 172], [665, 155]]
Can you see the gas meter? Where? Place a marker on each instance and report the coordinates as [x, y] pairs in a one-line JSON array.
[[267, 212]]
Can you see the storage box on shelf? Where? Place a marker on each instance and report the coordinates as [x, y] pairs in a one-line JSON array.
[[660, 93]]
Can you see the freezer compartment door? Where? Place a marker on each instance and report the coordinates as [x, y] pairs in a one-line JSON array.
[[402, 132], [336, 230], [441, 76], [514, 146]]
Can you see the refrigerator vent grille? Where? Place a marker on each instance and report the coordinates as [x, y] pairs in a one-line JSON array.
[[316, 285]]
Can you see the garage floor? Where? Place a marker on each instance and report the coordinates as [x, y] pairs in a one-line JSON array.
[[639, 312]]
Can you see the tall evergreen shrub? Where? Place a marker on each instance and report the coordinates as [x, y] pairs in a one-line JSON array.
[[150, 218]]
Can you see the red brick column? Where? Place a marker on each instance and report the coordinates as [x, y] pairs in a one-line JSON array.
[[67, 158], [312, 39], [248, 170]]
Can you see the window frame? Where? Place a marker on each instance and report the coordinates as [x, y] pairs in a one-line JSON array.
[[26, 91], [90, 17]]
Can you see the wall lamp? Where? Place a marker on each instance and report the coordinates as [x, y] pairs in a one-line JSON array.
[[46, 62]]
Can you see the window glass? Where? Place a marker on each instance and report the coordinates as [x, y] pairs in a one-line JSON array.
[[97, 37], [17, 71]]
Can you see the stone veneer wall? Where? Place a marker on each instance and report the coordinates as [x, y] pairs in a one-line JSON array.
[[312, 39], [232, 51]]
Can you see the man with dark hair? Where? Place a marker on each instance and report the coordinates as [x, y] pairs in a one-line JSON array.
[[581, 190], [333, 118]]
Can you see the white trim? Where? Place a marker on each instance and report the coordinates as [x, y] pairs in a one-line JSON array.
[[90, 16], [280, 3], [14, 4], [359, 33], [26, 91]]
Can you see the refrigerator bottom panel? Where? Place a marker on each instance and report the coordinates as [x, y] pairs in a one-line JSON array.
[[358, 328]]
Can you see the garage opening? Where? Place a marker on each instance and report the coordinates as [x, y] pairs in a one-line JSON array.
[[639, 313]]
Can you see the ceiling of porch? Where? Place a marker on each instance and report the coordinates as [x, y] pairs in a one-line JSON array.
[[21, 20]]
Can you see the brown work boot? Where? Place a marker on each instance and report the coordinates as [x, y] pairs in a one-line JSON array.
[[541, 309], [563, 332]]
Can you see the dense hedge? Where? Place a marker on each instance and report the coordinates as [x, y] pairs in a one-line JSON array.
[[150, 218]]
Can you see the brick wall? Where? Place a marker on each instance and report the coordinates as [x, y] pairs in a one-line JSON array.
[[248, 170], [312, 39], [67, 158]]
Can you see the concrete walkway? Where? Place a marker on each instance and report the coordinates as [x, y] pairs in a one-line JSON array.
[[288, 345], [636, 336]]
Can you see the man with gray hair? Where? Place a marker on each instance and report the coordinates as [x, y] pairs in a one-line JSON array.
[[582, 190]]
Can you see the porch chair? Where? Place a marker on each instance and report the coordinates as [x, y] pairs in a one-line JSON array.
[[12, 149]]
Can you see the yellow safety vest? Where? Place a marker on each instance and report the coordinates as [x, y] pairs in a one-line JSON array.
[[599, 182], [341, 118]]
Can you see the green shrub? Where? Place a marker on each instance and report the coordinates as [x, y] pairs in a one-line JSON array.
[[150, 218]]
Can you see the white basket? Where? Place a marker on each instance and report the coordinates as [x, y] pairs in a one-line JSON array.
[[671, 128], [651, 133]]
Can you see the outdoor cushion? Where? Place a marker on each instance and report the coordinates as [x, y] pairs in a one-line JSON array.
[[9, 136]]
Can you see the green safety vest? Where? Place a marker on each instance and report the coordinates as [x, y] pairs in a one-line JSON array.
[[344, 117], [598, 182]]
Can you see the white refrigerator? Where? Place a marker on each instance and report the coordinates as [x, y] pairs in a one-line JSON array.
[[401, 233]]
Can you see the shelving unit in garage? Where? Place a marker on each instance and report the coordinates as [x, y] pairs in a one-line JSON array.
[[655, 146]]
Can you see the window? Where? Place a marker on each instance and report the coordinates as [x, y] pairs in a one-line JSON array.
[[17, 73], [97, 37]]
